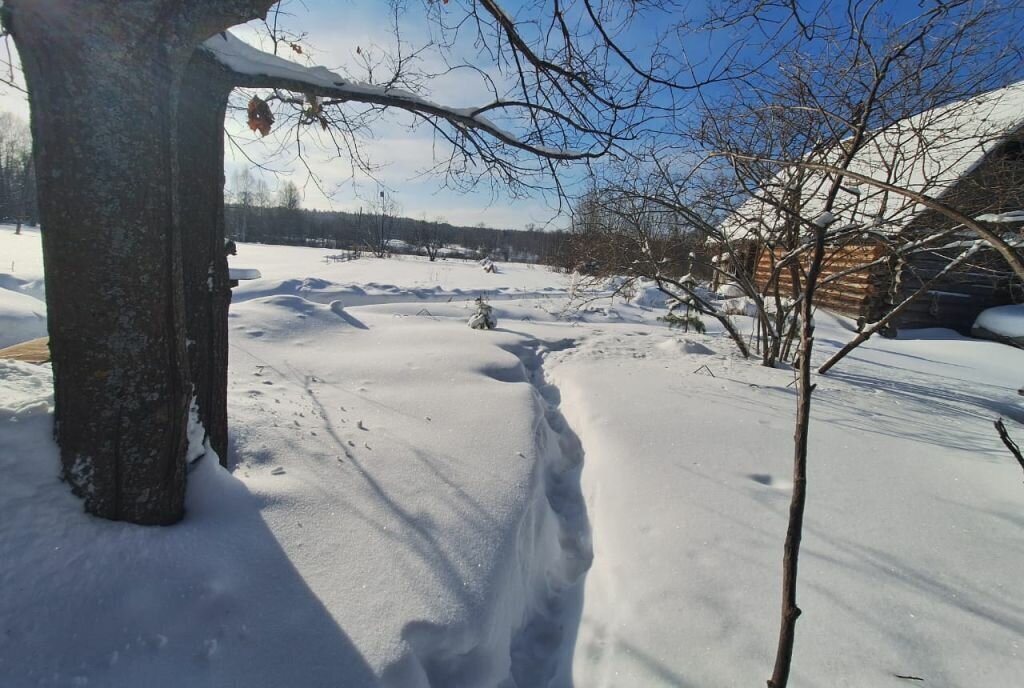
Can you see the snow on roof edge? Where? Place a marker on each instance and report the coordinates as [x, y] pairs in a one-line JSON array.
[[997, 114]]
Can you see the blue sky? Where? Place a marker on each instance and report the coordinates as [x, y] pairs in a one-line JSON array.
[[334, 31]]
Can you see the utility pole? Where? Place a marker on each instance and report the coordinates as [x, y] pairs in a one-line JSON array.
[[383, 241]]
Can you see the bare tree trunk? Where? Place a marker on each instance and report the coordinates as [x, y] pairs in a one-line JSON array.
[[794, 532], [101, 125], [205, 91]]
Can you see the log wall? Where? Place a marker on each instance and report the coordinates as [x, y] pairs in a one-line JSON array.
[[957, 298], [859, 294]]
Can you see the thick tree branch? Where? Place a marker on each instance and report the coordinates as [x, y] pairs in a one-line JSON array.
[[254, 68]]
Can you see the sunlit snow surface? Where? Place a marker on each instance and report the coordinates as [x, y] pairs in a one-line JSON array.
[[404, 504], [1004, 321]]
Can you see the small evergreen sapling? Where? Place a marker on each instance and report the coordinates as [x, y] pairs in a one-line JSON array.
[[685, 321], [484, 318]]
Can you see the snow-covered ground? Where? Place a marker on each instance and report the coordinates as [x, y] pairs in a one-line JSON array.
[[371, 280], [415, 503], [22, 308]]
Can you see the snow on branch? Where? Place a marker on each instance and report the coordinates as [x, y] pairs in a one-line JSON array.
[[1011, 216], [254, 68]]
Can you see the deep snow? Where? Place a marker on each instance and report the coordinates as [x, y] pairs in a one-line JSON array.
[[22, 304], [908, 565], [1004, 321], [406, 501]]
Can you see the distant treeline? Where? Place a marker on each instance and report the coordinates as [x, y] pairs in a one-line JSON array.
[[370, 233], [17, 177]]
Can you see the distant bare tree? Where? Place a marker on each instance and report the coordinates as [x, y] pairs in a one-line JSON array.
[[428, 238], [248, 192], [378, 228], [288, 196], [17, 174]]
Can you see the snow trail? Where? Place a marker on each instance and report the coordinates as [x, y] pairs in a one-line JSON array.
[[543, 649], [540, 590]]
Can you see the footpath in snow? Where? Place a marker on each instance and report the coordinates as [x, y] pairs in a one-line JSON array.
[[583, 499]]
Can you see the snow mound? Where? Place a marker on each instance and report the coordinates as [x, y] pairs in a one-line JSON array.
[[27, 392], [303, 287], [22, 318], [1001, 322], [650, 297], [730, 291], [34, 287], [685, 346], [288, 317], [740, 305], [296, 304], [314, 283]]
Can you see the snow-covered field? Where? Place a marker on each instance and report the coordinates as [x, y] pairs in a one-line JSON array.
[[22, 310], [415, 503]]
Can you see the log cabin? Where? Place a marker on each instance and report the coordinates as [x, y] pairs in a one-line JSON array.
[[884, 247]]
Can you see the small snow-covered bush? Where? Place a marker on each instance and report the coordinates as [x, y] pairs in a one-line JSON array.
[[741, 305], [613, 283], [730, 291], [483, 318], [685, 320]]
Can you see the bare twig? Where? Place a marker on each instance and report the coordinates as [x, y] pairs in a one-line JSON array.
[[1004, 435]]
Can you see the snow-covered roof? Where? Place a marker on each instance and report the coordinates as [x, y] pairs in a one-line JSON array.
[[926, 153]]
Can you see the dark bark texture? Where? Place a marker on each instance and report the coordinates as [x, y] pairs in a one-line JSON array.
[[794, 531], [103, 80], [204, 96], [100, 118]]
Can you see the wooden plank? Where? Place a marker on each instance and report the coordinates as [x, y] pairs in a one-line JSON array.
[[33, 351]]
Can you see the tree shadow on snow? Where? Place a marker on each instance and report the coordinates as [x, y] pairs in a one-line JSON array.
[[928, 412], [212, 601]]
